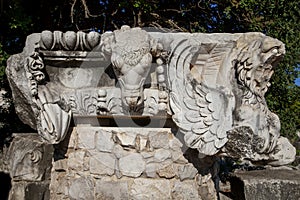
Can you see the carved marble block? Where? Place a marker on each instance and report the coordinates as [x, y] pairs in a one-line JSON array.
[[211, 85]]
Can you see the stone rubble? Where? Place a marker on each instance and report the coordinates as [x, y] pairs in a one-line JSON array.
[[126, 171], [132, 114]]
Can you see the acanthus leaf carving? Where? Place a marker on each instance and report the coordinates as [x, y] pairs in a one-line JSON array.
[[213, 86], [81, 103], [52, 121]]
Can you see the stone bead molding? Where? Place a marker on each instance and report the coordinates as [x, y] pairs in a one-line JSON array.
[[211, 85], [70, 41]]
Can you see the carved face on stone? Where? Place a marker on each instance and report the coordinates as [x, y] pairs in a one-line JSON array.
[[256, 67], [131, 60]]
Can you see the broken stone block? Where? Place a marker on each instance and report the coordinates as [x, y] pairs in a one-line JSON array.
[[102, 163], [215, 85], [132, 165], [187, 190], [162, 155], [29, 190], [111, 190], [81, 188], [208, 87], [187, 171], [86, 138], [276, 184], [104, 141], [29, 158], [150, 189]]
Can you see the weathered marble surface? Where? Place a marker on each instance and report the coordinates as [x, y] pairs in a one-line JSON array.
[[266, 184], [149, 112], [212, 85], [28, 161], [28, 158], [29, 190]]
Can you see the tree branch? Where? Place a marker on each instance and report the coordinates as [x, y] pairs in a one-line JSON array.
[[176, 26], [156, 25], [139, 19], [72, 10], [175, 10], [86, 9], [134, 18], [114, 24], [115, 12]]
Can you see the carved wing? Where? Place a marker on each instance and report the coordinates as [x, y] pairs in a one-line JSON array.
[[202, 112]]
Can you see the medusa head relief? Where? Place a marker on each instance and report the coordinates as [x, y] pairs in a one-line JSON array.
[[255, 64], [254, 68]]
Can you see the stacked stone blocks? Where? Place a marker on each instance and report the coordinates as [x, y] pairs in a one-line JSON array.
[[125, 163]]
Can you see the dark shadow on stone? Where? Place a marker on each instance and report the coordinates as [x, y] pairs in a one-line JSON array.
[[108, 78], [227, 194], [237, 189], [60, 149], [203, 165], [149, 82], [136, 121], [5, 185]]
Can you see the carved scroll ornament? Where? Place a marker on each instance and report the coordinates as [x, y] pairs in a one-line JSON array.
[[52, 121], [213, 86]]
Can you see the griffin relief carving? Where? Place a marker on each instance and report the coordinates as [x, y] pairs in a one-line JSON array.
[[212, 85]]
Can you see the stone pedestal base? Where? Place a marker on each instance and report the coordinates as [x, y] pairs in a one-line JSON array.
[[25, 190], [28, 163], [276, 184], [125, 163]]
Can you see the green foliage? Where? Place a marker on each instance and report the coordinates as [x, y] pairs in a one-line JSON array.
[[14, 24], [3, 58], [9, 121], [298, 152], [279, 19]]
